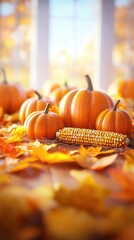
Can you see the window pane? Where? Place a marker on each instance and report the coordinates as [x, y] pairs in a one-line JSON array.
[[72, 41], [60, 8], [15, 40], [123, 54]]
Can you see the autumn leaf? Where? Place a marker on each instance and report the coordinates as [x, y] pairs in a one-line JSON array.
[[87, 195], [73, 223], [92, 151], [8, 149], [22, 166], [42, 154], [125, 180], [129, 160], [19, 211], [94, 163], [17, 134]]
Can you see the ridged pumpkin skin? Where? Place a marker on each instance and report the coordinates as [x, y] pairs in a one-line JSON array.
[[80, 108], [36, 103], [43, 124], [59, 93], [114, 120], [12, 95]]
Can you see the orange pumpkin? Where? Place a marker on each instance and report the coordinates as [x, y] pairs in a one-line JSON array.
[[122, 89], [32, 104], [126, 88], [114, 120], [49, 87], [43, 124], [80, 108], [12, 95], [58, 93]]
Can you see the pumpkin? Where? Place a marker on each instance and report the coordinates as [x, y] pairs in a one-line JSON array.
[[43, 124], [114, 120], [122, 89], [49, 87], [32, 104], [80, 108], [126, 88], [12, 95], [58, 93]]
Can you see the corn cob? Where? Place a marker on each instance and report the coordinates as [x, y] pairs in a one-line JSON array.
[[92, 137]]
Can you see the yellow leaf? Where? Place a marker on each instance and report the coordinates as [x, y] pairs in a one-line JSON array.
[[57, 157], [16, 134]]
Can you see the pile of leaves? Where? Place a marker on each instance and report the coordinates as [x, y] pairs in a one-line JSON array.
[[91, 197]]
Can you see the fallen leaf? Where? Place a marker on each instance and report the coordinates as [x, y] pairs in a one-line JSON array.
[[8, 148], [125, 180], [88, 195], [95, 163], [92, 151], [57, 157], [129, 160], [22, 166], [16, 134]]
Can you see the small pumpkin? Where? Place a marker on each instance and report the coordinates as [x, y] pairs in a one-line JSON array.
[[32, 104], [58, 93], [114, 120], [43, 124], [80, 108], [12, 95]]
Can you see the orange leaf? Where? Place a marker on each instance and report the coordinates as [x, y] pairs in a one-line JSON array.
[[96, 163], [126, 183], [8, 149], [91, 151], [129, 160]]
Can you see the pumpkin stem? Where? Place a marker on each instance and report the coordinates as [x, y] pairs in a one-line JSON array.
[[4, 75], [65, 84], [89, 82], [38, 94], [47, 108], [115, 106]]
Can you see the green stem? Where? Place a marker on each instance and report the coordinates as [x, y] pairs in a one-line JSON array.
[[38, 94], [4, 75], [89, 82], [115, 106], [47, 108]]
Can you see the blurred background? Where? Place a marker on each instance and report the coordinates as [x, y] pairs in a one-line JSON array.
[[57, 40]]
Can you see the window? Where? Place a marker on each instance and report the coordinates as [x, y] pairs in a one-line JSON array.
[[123, 53], [74, 29], [15, 39]]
